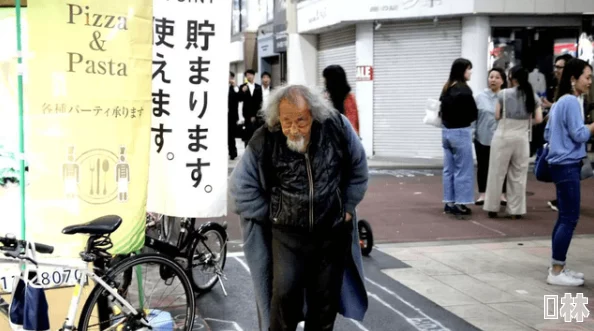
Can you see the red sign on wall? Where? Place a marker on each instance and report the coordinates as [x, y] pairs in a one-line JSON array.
[[364, 73]]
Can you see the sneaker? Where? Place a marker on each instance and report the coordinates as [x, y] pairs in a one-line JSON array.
[[572, 273], [553, 205], [564, 279]]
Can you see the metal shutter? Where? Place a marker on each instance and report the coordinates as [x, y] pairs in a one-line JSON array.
[[338, 47], [411, 63]]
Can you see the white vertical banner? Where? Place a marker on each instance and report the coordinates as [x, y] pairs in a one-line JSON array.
[[189, 158]]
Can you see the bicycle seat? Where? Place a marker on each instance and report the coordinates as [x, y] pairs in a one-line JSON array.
[[100, 226]]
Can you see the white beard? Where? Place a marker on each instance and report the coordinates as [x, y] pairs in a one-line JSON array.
[[297, 146]]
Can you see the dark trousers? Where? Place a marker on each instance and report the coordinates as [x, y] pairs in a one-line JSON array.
[[307, 268], [567, 182], [482, 159], [250, 128], [231, 133]]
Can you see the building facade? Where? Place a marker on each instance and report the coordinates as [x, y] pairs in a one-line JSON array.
[[398, 53]]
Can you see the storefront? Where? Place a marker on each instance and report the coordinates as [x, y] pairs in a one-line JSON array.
[[268, 59], [410, 46]]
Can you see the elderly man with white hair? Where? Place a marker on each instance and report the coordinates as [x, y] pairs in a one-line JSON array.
[[296, 189]]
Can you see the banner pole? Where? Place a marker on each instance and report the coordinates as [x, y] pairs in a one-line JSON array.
[[20, 69]]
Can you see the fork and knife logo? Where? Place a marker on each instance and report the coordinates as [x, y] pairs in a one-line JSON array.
[[98, 167]]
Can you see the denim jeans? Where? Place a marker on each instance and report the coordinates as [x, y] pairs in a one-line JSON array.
[[458, 166], [567, 183]]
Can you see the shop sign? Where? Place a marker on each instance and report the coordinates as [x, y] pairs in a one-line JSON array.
[[266, 46], [364, 73]]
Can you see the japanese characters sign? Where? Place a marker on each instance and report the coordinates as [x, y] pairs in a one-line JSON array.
[[189, 167], [88, 108]]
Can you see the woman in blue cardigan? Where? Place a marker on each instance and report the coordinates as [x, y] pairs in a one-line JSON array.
[[567, 135]]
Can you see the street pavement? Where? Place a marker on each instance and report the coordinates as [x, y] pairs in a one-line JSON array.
[[405, 206], [498, 285], [430, 271], [392, 306]]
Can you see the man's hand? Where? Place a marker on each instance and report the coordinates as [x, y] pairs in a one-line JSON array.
[[244, 88], [253, 119], [348, 217]]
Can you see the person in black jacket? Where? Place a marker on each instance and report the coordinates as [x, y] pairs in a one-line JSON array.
[[458, 112], [232, 115], [250, 94]]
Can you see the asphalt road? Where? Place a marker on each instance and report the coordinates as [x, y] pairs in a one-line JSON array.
[[392, 306]]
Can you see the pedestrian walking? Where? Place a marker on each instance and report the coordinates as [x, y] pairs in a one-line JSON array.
[[458, 112], [486, 125], [339, 92], [296, 189], [517, 108], [567, 135]]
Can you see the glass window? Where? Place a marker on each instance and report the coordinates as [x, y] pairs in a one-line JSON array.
[[269, 10], [244, 15], [235, 21], [262, 4]]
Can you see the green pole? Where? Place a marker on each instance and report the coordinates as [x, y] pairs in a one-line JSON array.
[[21, 120]]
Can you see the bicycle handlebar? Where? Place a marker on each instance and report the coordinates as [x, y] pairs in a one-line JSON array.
[[13, 244]]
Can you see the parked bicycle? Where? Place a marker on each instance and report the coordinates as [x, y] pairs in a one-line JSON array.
[[202, 252], [111, 304]]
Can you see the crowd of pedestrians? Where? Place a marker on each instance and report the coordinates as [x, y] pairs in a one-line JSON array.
[[507, 124]]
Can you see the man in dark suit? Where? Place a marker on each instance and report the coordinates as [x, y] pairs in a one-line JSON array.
[[233, 115], [251, 96]]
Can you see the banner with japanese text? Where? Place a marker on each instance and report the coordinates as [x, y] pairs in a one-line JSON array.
[[88, 107], [189, 164]]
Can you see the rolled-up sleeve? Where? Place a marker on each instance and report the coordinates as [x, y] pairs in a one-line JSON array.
[[245, 188], [357, 182]]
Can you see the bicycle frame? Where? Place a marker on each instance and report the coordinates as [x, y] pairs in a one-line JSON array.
[[76, 295]]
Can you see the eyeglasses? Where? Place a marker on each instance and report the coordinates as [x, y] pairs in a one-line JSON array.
[[559, 67]]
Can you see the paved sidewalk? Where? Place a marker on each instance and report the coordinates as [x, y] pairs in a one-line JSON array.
[[496, 285]]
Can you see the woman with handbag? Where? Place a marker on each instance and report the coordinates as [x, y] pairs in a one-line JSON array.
[[458, 112], [486, 124], [516, 109], [567, 135]]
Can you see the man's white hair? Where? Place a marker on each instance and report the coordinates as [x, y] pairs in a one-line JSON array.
[[319, 106]]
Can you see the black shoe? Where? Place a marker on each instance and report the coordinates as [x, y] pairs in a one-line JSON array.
[[464, 210], [515, 217], [479, 202], [492, 214], [503, 203]]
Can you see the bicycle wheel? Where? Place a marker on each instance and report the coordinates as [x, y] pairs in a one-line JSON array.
[[365, 237], [207, 257], [137, 280]]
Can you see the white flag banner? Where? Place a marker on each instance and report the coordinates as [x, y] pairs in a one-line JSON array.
[[189, 164]]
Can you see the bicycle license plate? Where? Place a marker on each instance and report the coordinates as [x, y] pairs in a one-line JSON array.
[[47, 277]]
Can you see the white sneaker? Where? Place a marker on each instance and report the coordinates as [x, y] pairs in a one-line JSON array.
[[572, 273], [564, 279]]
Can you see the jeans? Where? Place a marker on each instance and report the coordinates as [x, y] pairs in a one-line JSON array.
[[458, 166], [567, 183]]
